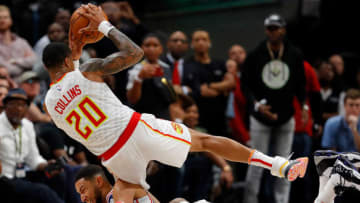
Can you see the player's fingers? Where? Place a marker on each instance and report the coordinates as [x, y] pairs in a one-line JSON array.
[[92, 6], [87, 28]]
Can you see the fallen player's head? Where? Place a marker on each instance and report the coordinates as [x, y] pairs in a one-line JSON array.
[[57, 55], [89, 183]]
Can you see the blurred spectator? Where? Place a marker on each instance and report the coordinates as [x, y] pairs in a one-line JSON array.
[[148, 84], [236, 108], [18, 149], [4, 87], [341, 133], [30, 83], [56, 33], [337, 62], [15, 52], [63, 18], [198, 177], [177, 46], [238, 54], [301, 190], [212, 84], [273, 74], [5, 74], [122, 16], [330, 94]]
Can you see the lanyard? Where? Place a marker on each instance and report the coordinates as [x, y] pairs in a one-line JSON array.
[[18, 147]]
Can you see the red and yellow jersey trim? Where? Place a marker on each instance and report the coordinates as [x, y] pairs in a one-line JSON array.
[[164, 134], [58, 80]]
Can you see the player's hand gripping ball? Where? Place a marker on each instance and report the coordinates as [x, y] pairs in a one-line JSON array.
[[78, 21]]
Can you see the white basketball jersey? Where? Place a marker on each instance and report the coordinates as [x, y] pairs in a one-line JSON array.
[[87, 111]]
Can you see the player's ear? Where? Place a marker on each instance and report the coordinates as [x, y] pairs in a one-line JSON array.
[[68, 62], [99, 181]]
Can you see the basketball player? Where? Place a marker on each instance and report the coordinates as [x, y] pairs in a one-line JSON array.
[[81, 104], [93, 186]]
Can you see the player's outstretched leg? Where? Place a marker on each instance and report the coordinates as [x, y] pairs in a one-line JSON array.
[[344, 175], [325, 160], [234, 151]]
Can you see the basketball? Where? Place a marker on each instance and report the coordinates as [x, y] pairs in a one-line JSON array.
[[77, 22]]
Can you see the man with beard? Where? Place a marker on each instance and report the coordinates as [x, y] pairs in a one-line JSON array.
[[93, 186]]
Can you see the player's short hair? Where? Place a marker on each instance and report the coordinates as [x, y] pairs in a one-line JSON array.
[[352, 94], [89, 172], [54, 54]]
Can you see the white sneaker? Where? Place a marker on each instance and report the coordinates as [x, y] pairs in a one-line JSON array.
[[289, 169]]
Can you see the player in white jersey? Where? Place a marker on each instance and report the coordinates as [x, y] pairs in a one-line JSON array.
[[93, 186], [82, 105]]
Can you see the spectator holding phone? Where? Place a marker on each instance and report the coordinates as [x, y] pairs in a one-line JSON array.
[[149, 89]]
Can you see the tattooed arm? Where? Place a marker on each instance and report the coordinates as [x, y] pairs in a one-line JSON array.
[[129, 53]]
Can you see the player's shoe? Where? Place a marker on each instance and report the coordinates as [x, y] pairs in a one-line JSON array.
[[289, 169], [325, 159], [344, 175]]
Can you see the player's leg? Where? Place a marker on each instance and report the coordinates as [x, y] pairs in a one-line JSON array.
[[325, 160], [234, 151], [124, 192]]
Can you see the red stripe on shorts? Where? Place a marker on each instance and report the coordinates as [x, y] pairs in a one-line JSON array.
[[123, 137]]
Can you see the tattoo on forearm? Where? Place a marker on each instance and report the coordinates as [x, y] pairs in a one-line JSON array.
[[129, 54]]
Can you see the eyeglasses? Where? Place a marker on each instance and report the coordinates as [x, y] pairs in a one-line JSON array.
[[178, 40]]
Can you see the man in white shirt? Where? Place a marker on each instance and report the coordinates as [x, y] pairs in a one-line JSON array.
[[18, 148]]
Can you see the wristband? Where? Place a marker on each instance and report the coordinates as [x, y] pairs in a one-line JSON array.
[[258, 104], [105, 27], [76, 64]]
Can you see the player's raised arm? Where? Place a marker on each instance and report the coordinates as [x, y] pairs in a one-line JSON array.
[[129, 53]]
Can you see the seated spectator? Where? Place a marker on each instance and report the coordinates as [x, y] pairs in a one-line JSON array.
[[15, 52], [18, 149], [29, 81], [341, 133]]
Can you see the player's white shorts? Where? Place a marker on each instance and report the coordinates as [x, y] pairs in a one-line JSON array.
[[152, 139]]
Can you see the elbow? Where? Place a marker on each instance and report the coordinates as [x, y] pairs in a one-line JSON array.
[[139, 54]]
